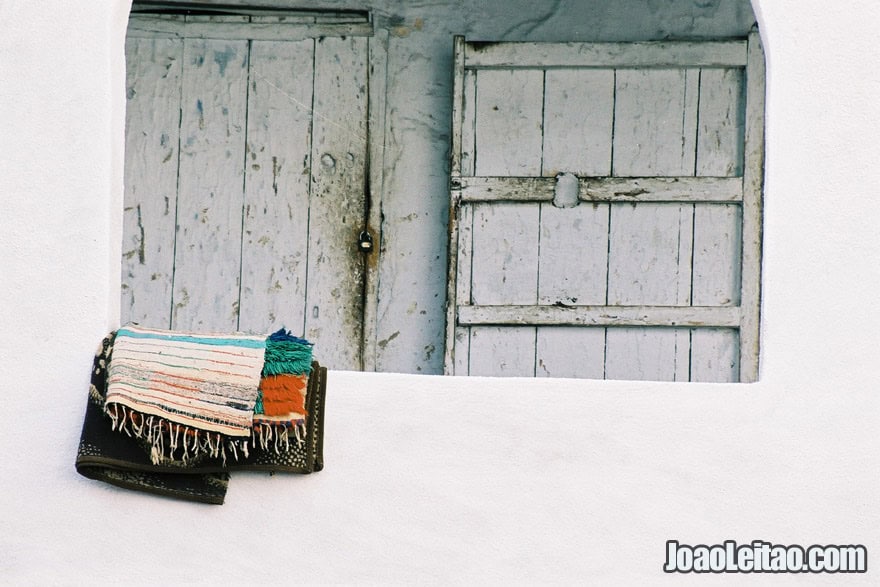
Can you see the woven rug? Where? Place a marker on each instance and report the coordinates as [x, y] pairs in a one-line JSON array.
[[173, 413]]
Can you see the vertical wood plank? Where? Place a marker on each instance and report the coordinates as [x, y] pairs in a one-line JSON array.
[[208, 249], [715, 355], [464, 270], [574, 255], [647, 354], [654, 122], [334, 303], [578, 115], [376, 103], [720, 137], [753, 187], [505, 254], [509, 121], [570, 351], [278, 160], [455, 353], [153, 70], [504, 351], [717, 255], [650, 245], [465, 221], [650, 254]]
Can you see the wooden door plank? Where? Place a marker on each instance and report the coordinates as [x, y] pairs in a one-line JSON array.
[[646, 354], [208, 249], [159, 26], [692, 316], [574, 255], [604, 189], [457, 340], [717, 247], [654, 122], [650, 54], [506, 351], [715, 355], [376, 103], [650, 254], [720, 137], [153, 70], [505, 254], [278, 160], [651, 244], [333, 313], [508, 123], [753, 186], [570, 352], [578, 115]]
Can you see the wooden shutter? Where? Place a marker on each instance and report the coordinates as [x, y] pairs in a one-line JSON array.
[[246, 156], [655, 273]]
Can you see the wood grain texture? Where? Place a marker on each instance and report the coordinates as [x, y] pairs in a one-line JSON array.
[[153, 71], [208, 250], [753, 188], [578, 115], [508, 122], [720, 136], [278, 160], [715, 355], [334, 304], [599, 315], [603, 189], [570, 352], [507, 351], [651, 54], [505, 254]]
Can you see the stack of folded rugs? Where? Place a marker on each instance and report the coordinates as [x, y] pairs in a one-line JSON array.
[[173, 412]]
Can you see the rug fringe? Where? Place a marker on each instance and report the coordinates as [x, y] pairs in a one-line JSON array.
[[166, 439]]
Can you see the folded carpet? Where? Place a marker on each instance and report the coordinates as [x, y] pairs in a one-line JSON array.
[[173, 413]]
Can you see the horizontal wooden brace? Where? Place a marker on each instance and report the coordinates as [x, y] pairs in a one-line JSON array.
[[566, 55], [724, 190], [241, 29], [683, 316]]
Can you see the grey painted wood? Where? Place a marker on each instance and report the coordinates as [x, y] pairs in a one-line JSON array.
[[573, 255], [270, 189], [650, 254], [647, 354], [577, 139], [151, 158], [508, 123], [753, 186], [603, 189], [655, 116], [276, 213], [208, 247], [336, 203], [691, 316], [653, 54], [644, 280], [377, 78], [715, 355], [456, 355], [239, 28], [720, 138], [564, 351], [505, 254], [507, 351]]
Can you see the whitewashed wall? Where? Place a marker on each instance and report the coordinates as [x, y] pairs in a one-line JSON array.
[[604, 471]]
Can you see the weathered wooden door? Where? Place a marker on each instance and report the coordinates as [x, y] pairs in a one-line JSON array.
[[606, 210], [245, 175]]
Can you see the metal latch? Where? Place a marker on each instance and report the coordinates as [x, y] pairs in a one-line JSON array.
[[365, 242]]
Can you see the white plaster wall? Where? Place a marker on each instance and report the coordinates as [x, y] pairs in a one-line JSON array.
[[441, 479]]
